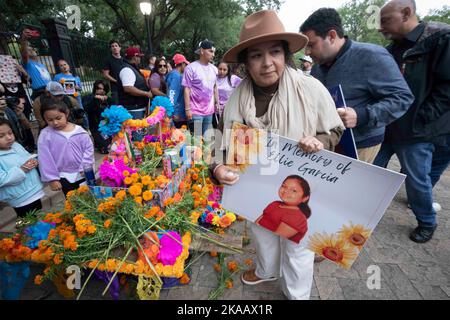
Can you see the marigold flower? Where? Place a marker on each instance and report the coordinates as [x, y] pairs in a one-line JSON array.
[[185, 279], [135, 190], [147, 195], [232, 266], [229, 284], [83, 189], [38, 280], [213, 254], [107, 223], [126, 173], [121, 195], [57, 259], [248, 262], [128, 181], [217, 267], [135, 177], [138, 200], [146, 180]]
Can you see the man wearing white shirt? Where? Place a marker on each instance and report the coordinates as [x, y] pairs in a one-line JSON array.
[[133, 92]]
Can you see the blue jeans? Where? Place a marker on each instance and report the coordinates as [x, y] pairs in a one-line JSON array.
[[416, 160], [441, 160], [202, 123]]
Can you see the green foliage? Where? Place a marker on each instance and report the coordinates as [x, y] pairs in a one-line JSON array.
[[176, 25], [439, 15], [360, 19]]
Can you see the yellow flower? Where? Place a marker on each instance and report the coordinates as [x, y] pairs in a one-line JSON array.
[[128, 181], [135, 190], [91, 229], [83, 189], [333, 248], [135, 177], [126, 173], [138, 200], [148, 195], [356, 235], [121, 194], [146, 180]]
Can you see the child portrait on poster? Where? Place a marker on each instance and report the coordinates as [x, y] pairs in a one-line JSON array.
[[288, 217]]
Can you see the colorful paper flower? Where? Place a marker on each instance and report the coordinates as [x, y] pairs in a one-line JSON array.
[[114, 117], [164, 102]]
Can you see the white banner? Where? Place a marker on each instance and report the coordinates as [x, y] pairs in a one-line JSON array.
[[346, 198]]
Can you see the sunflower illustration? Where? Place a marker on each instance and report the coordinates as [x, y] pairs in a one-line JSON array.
[[333, 248], [355, 235], [245, 146]]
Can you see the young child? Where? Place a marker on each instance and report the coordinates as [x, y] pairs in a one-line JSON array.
[[20, 185], [64, 149], [288, 218]]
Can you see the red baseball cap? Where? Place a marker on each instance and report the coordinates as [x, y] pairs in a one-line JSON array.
[[179, 58], [133, 52]]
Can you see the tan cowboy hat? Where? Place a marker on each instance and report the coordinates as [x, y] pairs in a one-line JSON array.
[[264, 26]]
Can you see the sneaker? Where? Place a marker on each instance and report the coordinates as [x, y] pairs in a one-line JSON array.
[[422, 234], [249, 277], [436, 206]]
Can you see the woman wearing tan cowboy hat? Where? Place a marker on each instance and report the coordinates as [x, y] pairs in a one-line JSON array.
[[276, 96]]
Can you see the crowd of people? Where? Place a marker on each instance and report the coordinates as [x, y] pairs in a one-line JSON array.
[[398, 102]]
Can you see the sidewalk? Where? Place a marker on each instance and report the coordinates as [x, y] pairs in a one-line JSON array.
[[408, 270]]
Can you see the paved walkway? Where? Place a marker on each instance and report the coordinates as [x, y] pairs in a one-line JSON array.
[[408, 270]]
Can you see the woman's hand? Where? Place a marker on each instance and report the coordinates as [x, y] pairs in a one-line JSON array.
[[55, 185], [310, 145], [188, 115], [226, 175]]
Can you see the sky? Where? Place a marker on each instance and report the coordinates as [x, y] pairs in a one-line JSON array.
[[294, 12]]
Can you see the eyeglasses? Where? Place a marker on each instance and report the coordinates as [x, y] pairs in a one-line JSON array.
[[162, 66]]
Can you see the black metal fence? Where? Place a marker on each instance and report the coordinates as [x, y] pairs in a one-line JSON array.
[[89, 56]]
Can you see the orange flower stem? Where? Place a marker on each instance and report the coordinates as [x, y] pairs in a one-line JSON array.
[[117, 270]]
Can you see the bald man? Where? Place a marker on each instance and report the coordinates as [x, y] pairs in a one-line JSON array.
[[421, 138]]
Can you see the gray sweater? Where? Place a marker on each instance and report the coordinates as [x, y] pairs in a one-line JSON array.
[[372, 85]]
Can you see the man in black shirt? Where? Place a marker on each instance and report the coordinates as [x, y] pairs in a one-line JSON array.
[[421, 138], [112, 67]]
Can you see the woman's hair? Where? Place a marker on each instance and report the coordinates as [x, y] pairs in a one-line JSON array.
[[12, 102], [228, 73], [163, 86], [6, 121], [53, 104], [288, 55], [304, 207], [97, 83]]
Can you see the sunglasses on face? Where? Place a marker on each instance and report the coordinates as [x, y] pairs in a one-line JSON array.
[[162, 66]]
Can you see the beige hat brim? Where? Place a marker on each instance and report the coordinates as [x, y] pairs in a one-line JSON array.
[[296, 41]]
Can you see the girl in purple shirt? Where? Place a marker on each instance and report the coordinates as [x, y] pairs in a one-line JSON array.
[[64, 149]]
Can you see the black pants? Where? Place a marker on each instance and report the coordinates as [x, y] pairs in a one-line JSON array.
[[22, 211], [68, 186]]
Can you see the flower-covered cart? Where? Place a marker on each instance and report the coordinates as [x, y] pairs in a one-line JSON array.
[[154, 194]]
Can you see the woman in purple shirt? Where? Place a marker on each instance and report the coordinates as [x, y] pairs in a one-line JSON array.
[[157, 81], [226, 83]]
